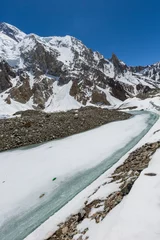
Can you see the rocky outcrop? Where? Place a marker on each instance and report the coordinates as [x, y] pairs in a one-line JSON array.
[[99, 97], [142, 89], [39, 59], [21, 93], [137, 69], [6, 73], [150, 71], [118, 90], [42, 90], [120, 67]]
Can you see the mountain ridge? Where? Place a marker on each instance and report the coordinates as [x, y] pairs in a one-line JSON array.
[[61, 73]]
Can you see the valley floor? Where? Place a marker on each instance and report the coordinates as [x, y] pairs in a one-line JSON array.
[[35, 180], [133, 216]]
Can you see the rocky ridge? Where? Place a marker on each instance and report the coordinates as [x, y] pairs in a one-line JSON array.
[[152, 71], [125, 176], [39, 68]]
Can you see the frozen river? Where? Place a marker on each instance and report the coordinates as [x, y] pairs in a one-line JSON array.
[[76, 161]]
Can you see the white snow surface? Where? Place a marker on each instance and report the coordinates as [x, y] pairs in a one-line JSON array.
[[148, 104], [138, 214], [136, 217], [61, 99], [45, 161], [9, 109], [28, 173], [18, 34]]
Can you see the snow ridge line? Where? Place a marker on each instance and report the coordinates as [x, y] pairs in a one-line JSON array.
[[125, 176]]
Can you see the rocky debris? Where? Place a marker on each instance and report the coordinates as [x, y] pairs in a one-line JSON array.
[[156, 131], [37, 127], [125, 175], [150, 174], [42, 195]]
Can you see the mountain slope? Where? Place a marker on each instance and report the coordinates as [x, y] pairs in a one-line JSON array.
[[60, 73]]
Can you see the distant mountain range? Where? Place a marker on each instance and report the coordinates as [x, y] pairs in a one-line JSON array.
[[61, 73]]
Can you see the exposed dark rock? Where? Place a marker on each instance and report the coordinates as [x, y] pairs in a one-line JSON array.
[[150, 174], [8, 100], [22, 93], [5, 75], [39, 58], [42, 195], [142, 88], [126, 189], [43, 64], [118, 90], [99, 97], [42, 90], [137, 69], [119, 67]]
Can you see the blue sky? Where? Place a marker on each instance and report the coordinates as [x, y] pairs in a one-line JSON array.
[[130, 29]]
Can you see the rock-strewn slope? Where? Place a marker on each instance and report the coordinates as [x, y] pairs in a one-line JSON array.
[[37, 127], [125, 176]]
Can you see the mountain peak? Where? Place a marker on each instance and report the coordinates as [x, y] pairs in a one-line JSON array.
[[11, 31]]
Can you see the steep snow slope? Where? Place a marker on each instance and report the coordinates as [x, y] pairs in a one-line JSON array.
[[7, 47], [12, 31]]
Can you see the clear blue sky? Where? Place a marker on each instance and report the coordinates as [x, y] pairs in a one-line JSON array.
[[130, 29]]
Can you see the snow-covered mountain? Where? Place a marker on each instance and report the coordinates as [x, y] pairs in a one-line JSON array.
[[153, 71], [60, 73]]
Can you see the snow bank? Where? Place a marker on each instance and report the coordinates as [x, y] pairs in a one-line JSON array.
[[138, 214]]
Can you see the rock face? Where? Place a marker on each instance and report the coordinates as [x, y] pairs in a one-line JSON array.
[[21, 93], [120, 67], [152, 71], [99, 97], [34, 70], [6, 74]]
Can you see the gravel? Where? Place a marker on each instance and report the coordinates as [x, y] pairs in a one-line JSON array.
[[33, 127]]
